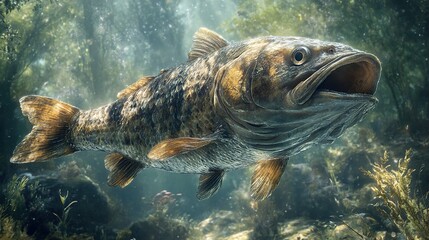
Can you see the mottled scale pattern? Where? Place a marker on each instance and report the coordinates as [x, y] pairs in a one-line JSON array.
[[231, 105], [176, 103], [249, 97]]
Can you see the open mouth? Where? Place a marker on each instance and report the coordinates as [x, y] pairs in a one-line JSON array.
[[356, 77], [353, 76]]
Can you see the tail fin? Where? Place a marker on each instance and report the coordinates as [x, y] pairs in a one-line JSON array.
[[49, 137]]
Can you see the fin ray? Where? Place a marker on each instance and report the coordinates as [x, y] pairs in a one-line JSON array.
[[122, 169], [205, 42], [266, 177], [49, 137], [172, 147], [209, 183]]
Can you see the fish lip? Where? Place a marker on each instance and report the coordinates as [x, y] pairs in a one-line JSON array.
[[358, 63], [326, 94]]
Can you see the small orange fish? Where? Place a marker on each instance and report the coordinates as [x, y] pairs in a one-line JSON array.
[[231, 105]]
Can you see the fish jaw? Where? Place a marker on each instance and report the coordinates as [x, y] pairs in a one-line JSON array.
[[322, 119], [349, 75], [332, 99]]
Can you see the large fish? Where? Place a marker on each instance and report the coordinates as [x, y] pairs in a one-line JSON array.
[[231, 105]]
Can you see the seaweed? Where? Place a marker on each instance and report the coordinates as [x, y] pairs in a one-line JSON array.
[[393, 186]]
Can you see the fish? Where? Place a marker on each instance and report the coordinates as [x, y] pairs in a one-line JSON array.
[[251, 103]]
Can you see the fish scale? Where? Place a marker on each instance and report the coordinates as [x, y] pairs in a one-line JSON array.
[[231, 105]]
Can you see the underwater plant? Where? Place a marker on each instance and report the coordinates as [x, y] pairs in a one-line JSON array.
[[13, 195], [64, 218], [12, 207], [409, 214]]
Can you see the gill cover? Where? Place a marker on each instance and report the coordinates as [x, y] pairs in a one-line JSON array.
[[269, 94]]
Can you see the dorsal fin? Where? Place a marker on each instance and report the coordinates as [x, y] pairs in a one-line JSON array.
[[135, 86], [205, 42], [122, 169]]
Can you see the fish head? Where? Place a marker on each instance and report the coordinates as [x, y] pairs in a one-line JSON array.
[[293, 70], [287, 93]]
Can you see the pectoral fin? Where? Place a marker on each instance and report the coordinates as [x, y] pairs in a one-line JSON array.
[[266, 177], [122, 169], [172, 147], [209, 183]]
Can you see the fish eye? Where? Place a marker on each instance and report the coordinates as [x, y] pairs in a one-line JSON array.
[[300, 55]]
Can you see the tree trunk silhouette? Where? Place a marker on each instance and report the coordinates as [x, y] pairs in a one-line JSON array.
[[8, 124], [99, 77], [11, 130]]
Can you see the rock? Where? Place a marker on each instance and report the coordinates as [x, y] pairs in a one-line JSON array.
[[299, 229], [243, 235], [158, 226], [350, 172], [306, 192], [45, 209], [357, 226], [224, 225]]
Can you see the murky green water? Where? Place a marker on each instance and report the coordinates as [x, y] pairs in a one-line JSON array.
[[85, 52]]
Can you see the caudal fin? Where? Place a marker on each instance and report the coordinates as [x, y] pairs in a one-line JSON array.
[[50, 136]]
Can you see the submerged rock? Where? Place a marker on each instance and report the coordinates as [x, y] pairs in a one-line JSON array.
[[224, 225], [243, 235], [299, 229], [357, 226], [157, 226], [66, 206], [306, 192]]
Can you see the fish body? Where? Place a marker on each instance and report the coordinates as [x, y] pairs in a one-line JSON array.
[[231, 105], [178, 103]]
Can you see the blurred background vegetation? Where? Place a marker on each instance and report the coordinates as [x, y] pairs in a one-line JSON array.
[[84, 52]]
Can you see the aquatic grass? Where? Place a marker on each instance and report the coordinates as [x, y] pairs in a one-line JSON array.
[[14, 189], [408, 213], [12, 208], [64, 217]]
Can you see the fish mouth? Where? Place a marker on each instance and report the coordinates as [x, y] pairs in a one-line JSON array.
[[349, 76]]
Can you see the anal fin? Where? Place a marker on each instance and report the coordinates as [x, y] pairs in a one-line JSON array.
[[266, 177], [172, 147], [122, 169], [209, 183]]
